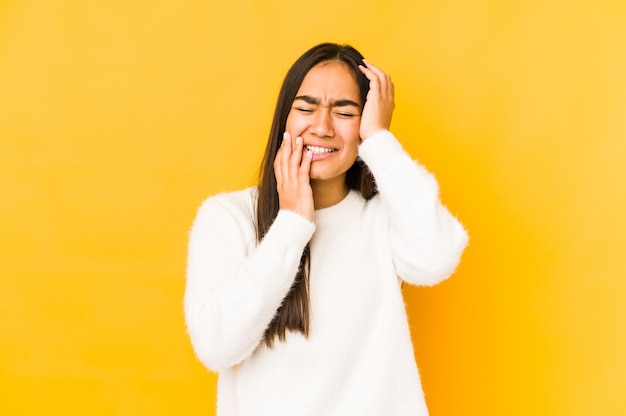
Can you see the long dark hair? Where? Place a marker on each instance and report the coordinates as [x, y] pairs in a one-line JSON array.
[[293, 314]]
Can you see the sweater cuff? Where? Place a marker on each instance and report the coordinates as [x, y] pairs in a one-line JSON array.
[[289, 226], [379, 147]]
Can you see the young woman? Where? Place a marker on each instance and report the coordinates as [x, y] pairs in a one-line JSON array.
[[294, 286]]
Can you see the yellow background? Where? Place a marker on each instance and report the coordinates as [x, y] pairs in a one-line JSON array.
[[117, 118]]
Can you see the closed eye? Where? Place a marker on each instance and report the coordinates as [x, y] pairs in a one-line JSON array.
[[304, 110], [346, 115]]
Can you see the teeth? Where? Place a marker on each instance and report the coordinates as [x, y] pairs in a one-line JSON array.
[[317, 149]]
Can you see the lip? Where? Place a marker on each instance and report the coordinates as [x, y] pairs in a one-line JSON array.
[[321, 156]]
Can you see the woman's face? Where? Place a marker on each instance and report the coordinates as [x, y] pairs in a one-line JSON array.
[[326, 113]]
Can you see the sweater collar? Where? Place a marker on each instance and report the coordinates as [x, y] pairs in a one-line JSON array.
[[349, 206]]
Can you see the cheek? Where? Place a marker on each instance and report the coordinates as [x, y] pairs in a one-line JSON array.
[[351, 136], [350, 128], [295, 124], [354, 152]]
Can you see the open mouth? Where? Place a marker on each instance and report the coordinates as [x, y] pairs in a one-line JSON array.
[[319, 150]]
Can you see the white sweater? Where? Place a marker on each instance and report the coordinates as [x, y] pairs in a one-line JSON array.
[[358, 358]]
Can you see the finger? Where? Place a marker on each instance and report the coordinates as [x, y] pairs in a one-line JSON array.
[[384, 80], [279, 161], [305, 167], [371, 76], [286, 136], [380, 74], [377, 88], [373, 67], [296, 158], [286, 151]]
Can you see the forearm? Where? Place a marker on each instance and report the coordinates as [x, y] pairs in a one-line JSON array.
[[232, 295], [427, 241]]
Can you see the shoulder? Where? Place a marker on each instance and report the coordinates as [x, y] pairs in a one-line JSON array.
[[228, 206], [243, 199]]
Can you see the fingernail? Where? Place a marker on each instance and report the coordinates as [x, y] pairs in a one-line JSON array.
[[298, 140], [285, 136]]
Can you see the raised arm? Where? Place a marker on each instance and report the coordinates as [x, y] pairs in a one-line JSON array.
[[426, 240]]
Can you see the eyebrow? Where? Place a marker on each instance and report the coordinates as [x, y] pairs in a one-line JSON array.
[[337, 103]]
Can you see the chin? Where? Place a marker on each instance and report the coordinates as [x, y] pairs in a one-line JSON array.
[[326, 176]]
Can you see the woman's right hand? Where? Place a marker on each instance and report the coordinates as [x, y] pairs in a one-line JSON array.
[[291, 168]]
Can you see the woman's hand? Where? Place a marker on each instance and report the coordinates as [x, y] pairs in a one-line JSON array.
[[379, 103], [291, 168]]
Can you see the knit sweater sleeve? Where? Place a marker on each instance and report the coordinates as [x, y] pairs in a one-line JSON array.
[[425, 239], [234, 287]]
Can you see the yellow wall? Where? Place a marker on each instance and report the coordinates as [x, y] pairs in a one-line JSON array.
[[117, 118]]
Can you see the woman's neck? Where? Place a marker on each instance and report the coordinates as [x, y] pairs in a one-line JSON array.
[[328, 193]]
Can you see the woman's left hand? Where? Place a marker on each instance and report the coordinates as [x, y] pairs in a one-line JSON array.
[[379, 103]]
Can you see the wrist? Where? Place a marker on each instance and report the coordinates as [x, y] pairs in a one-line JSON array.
[[372, 132]]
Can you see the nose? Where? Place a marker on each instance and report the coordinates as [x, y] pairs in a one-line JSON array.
[[322, 125]]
